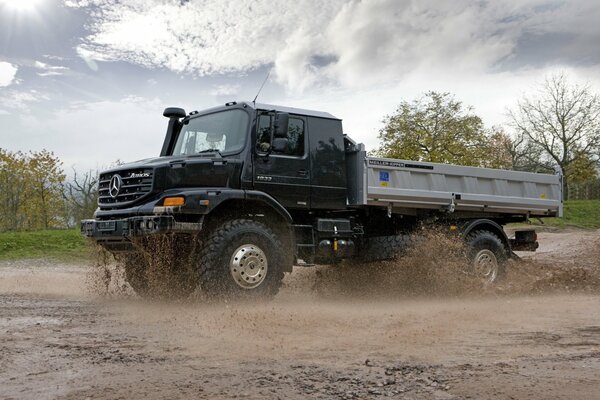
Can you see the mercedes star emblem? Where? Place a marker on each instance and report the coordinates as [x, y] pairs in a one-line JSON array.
[[114, 187]]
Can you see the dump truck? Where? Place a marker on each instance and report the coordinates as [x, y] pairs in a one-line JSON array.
[[248, 190]]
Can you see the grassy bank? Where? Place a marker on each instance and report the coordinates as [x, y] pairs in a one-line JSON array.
[[577, 214], [62, 245]]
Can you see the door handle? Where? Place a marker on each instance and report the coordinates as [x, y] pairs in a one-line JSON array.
[[302, 172]]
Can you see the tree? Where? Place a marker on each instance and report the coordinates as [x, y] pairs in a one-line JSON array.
[[438, 128], [525, 155], [562, 123], [12, 197], [43, 190], [81, 195], [496, 151]]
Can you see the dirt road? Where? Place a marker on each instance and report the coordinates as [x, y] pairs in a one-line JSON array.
[[536, 336]]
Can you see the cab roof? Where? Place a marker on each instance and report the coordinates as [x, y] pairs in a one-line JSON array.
[[267, 107], [292, 110]]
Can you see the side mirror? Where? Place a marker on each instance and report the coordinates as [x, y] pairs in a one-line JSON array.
[[174, 112], [281, 124], [280, 144]]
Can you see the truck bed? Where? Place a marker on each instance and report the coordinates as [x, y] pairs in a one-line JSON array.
[[404, 184]]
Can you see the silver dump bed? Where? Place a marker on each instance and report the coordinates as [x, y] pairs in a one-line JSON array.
[[404, 184]]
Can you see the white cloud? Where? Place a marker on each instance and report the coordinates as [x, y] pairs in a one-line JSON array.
[[21, 100], [50, 70], [8, 72], [225, 90], [316, 43]]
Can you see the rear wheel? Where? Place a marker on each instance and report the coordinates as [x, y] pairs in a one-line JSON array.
[[487, 255], [242, 258]]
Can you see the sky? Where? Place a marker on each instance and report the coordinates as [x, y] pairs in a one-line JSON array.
[[89, 79]]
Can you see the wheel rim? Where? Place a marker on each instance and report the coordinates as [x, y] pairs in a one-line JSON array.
[[485, 265], [248, 266]]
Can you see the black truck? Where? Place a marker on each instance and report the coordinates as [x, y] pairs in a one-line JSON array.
[[246, 191]]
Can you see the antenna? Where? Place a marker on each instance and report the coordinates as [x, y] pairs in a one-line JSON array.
[[261, 86]]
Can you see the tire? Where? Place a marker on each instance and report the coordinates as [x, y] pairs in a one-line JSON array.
[[242, 258], [487, 256], [381, 248]]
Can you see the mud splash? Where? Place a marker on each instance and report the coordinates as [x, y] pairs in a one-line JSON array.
[[435, 266], [106, 277], [162, 267]]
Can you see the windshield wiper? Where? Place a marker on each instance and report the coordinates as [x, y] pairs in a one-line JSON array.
[[211, 151]]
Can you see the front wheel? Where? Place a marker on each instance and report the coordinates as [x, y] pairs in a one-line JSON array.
[[487, 255], [242, 258]]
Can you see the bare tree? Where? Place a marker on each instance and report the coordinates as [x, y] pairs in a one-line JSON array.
[[562, 122], [81, 195], [527, 156]]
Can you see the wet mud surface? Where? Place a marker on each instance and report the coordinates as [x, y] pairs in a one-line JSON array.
[[332, 332]]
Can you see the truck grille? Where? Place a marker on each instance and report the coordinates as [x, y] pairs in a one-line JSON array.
[[134, 184]]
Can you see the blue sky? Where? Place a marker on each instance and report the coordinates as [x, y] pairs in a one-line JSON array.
[[88, 79]]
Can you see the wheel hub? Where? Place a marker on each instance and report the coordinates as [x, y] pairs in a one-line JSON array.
[[486, 265], [248, 266]]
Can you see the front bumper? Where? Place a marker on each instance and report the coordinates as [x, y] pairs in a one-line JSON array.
[[115, 235]]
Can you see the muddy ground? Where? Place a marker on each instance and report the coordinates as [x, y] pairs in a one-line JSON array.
[[388, 331]]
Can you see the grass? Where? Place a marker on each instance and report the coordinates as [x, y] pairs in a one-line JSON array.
[[577, 214], [62, 245]]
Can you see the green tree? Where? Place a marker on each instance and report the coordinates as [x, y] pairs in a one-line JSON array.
[[561, 122], [438, 128], [12, 196], [31, 190], [495, 152], [43, 190]]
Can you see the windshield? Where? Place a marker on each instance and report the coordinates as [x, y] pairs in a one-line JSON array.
[[223, 131]]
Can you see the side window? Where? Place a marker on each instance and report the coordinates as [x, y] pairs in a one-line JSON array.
[[295, 136], [263, 133]]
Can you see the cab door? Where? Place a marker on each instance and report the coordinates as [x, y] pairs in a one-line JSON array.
[[283, 175]]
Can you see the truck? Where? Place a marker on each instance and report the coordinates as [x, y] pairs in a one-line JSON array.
[[246, 191]]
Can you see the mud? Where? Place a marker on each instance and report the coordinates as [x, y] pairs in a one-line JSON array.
[[403, 330]]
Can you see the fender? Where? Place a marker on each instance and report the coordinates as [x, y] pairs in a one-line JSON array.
[[205, 200], [489, 225], [265, 198]]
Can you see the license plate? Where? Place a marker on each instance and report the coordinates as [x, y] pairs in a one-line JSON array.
[[106, 225]]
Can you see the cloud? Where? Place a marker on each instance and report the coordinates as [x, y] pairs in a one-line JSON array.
[[50, 70], [8, 72], [21, 100], [202, 38], [315, 43], [94, 134], [225, 90]]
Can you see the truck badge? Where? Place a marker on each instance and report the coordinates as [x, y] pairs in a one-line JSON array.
[[114, 187], [139, 175]]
